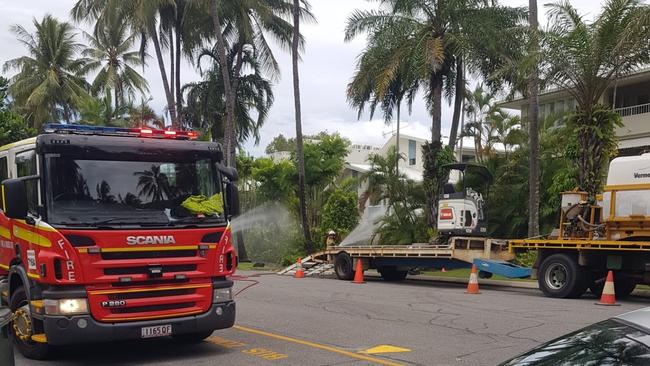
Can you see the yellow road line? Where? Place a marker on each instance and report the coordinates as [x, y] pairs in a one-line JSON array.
[[319, 346]]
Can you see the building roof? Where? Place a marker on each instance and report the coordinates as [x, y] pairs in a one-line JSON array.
[[412, 174], [552, 93]]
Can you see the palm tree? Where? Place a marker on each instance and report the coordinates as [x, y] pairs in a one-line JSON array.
[[440, 34], [143, 18], [507, 130], [370, 86], [101, 112], [480, 108], [300, 153], [242, 23], [533, 123], [206, 99], [142, 115], [110, 53], [49, 83], [585, 58]]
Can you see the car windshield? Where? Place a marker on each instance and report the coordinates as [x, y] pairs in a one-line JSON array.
[[606, 343], [100, 192]]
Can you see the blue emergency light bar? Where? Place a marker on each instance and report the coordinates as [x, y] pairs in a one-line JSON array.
[[119, 131]]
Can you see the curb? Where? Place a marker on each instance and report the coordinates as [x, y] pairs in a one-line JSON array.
[[481, 281]]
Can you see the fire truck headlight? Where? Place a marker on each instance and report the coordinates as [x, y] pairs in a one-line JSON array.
[[65, 306], [223, 294]]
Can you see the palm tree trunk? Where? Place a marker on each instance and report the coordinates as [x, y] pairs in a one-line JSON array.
[[179, 92], [458, 101], [163, 73], [399, 107], [299, 147], [233, 90], [436, 107], [172, 67], [533, 129], [229, 129]]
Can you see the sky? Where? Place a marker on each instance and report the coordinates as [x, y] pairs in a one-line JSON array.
[[327, 67]]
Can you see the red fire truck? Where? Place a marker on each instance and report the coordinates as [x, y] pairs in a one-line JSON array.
[[113, 234]]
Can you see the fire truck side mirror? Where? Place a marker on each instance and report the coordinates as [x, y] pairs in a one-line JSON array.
[[14, 199], [232, 196]]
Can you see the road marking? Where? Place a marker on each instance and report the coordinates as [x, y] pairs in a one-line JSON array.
[[385, 348], [319, 346], [257, 352], [265, 354], [226, 343]]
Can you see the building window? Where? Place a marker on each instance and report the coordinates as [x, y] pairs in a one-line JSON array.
[[412, 152]]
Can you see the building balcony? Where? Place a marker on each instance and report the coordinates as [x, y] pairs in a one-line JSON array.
[[633, 110]]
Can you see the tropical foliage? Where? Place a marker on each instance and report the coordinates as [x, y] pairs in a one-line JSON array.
[[426, 43], [49, 83], [585, 58]]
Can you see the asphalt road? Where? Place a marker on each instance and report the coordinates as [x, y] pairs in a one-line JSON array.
[[285, 321]]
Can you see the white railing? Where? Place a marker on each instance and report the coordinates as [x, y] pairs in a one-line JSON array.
[[634, 110]]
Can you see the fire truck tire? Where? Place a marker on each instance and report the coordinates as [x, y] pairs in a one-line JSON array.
[[560, 276], [190, 338], [343, 267], [391, 274], [28, 348]]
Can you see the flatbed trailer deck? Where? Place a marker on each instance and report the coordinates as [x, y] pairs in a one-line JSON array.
[[394, 261]]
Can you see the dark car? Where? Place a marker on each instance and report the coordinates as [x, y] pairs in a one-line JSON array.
[[622, 340]]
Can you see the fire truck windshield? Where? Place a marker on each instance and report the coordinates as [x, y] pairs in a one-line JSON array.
[[100, 192]]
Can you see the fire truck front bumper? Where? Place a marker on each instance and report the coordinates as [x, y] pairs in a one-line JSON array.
[[62, 330]]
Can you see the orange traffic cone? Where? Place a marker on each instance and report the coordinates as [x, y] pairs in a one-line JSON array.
[[358, 273], [608, 297], [443, 270], [472, 286], [300, 273]]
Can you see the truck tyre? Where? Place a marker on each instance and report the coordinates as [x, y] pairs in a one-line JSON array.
[[190, 338], [560, 276], [20, 328], [343, 267], [391, 274]]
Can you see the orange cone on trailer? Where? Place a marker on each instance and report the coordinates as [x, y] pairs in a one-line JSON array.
[[472, 286], [300, 273], [608, 297], [358, 273]]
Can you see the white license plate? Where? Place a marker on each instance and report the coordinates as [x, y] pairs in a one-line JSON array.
[[157, 331]]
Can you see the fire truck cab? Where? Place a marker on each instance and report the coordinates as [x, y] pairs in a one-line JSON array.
[[114, 234]]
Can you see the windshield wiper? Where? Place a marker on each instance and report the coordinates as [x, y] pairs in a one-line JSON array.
[[115, 220], [193, 220]]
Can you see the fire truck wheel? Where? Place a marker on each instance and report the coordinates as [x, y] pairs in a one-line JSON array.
[[560, 276], [343, 267], [190, 338], [391, 274], [23, 328]]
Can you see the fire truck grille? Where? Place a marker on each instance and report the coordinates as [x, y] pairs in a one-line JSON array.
[[145, 269], [149, 283], [141, 309], [148, 254], [148, 302], [150, 294]]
